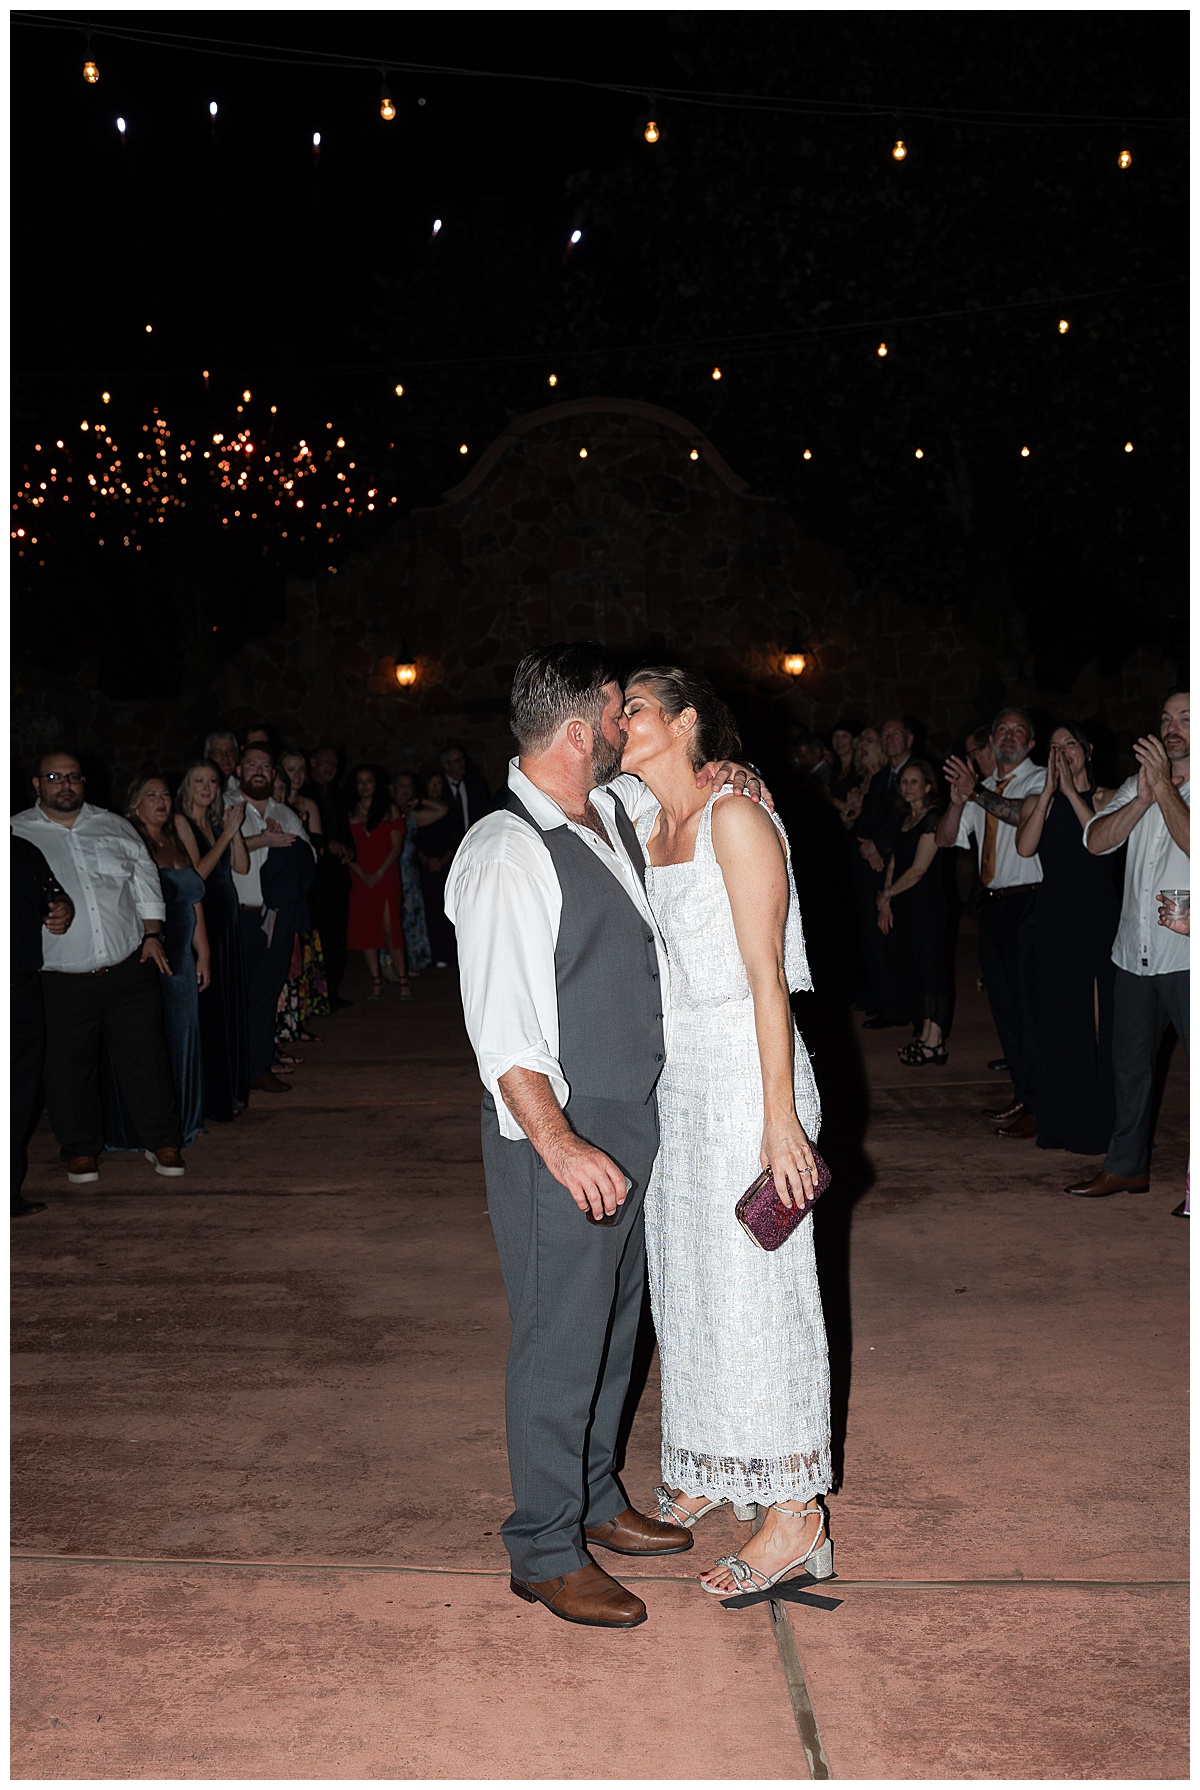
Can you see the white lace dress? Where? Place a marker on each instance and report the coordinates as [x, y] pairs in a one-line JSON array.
[[741, 1337]]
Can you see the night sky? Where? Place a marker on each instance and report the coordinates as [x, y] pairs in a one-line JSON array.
[[782, 244]]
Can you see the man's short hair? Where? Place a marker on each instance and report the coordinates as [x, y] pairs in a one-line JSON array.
[[1183, 691], [1010, 708], [60, 749], [563, 682], [219, 733], [979, 732], [258, 746], [902, 721]]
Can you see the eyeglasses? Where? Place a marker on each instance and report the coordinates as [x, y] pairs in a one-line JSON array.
[[62, 777]]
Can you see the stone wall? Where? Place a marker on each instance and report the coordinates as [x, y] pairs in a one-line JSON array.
[[609, 519]]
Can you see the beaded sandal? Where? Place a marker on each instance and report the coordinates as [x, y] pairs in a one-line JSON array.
[[679, 1513], [818, 1561]]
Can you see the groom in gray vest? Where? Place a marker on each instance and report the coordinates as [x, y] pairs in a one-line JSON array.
[[564, 987]]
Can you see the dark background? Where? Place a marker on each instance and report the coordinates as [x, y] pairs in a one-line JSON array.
[[781, 245]]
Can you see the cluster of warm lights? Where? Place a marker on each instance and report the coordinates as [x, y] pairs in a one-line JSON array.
[[284, 488]]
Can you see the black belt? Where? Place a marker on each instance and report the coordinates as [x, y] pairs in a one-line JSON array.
[[1013, 889], [105, 971]]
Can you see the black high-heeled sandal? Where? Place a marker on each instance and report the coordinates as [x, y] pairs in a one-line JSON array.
[[929, 1053]]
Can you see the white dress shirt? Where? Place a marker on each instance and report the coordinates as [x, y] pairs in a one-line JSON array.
[[249, 886], [103, 864], [1012, 870], [505, 901], [1153, 862]]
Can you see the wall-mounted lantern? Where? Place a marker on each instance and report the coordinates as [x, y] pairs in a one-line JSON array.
[[406, 669], [794, 661]]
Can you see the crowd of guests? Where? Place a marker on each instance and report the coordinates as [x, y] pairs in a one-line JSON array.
[[1085, 963], [168, 961]]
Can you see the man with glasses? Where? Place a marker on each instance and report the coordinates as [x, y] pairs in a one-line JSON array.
[[100, 979]]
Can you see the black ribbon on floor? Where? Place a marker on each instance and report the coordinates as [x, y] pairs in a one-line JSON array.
[[790, 1591]]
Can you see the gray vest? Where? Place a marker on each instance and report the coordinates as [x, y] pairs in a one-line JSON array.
[[610, 1021]]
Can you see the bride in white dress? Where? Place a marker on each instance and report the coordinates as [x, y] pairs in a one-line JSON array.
[[741, 1338]]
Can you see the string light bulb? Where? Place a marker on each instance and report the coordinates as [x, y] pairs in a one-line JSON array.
[[899, 150], [437, 226], [695, 454], [212, 108], [1125, 159], [91, 73], [716, 372], [399, 390], [245, 397], [316, 140], [807, 455], [387, 109], [576, 236], [920, 454], [121, 126], [463, 448], [106, 397], [553, 379], [583, 453], [1024, 453], [651, 132], [1063, 326], [1129, 447], [882, 350]]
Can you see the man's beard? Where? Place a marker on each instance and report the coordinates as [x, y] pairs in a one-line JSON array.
[[1175, 747], [1007, 755], [606, 760], [69, 802]]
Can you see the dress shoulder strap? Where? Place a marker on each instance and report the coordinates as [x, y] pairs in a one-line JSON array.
[[704, 852]]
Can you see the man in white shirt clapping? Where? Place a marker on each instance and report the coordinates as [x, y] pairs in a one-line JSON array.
[[1151, 811]]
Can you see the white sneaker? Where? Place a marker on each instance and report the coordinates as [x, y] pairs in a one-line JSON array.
[[166, 1162]]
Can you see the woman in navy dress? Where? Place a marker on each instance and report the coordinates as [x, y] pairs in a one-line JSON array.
[[212, 838], [912, 917], [185, 940], [1076, 921]]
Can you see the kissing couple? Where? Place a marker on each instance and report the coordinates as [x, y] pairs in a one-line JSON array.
[[628, 937]]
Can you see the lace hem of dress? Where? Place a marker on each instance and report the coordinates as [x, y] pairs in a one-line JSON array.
[[784, 1479]]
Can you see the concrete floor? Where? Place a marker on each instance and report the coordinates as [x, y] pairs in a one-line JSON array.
[[259, 1455]]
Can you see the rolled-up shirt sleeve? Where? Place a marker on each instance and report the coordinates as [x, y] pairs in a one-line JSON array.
[[1122, 798], [505, 909], [147, 889]]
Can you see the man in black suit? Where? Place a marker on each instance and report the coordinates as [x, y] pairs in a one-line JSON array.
[[876, 831], [466, 791], [36, 899], [331, 890]]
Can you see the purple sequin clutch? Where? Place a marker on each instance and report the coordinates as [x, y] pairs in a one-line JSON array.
[[763, 1215]]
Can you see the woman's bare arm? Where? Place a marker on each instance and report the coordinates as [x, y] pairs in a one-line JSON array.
[[754, 865]]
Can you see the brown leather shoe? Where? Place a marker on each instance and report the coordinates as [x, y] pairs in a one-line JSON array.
[[271, 1084], [632, 1533], [82, 1168], [1101, 1185], [587, 1596], [1003, 1113], [1023, 1125], [167, 1161]]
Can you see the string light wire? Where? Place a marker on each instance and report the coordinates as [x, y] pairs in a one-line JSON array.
[[300, 58]]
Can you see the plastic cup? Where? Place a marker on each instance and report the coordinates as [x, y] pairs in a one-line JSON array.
[[1178, 901]]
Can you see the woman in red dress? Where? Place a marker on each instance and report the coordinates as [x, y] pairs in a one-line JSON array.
[[376, 898]]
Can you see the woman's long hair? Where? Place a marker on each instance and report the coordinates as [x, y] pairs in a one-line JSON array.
[[381, 800], [214, 814], [133, 796], [932, 796], [715, 734]]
